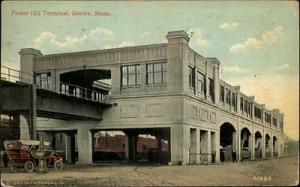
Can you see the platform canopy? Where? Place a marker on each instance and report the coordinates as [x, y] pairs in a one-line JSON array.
[[85, 77]]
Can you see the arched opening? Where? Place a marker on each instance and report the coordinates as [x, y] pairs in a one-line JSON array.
[[267, 146], [227, 142], [92, 84], [246, 144], [275, 147], [258, 145]]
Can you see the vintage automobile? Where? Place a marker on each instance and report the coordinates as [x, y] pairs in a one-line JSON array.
[[19, 155]]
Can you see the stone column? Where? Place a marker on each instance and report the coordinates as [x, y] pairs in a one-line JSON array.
[[271, 146], [68, 151], [27, 57], [176, 145], [207, 87], [33, 113], [159, 149], [132, 146], [186, 145], [193, 146], [198, 146], [142, 76], [216, 83], [126, 146], [217, 145], [209, 146], [176, 48], [238, 150], [263, 114], [253, 146], [234, 137], [24, 128], [238, 100], [252, 106], [84, 145], [263, 148]]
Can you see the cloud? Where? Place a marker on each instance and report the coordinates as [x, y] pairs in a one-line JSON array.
[[281, 67], [123, 44], [269, 38], [232, 69], [144, 34], [228, 26], [196, 36], [48, 39]]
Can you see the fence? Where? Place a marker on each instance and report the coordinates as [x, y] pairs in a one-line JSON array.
[[80, 92], [13, 75]]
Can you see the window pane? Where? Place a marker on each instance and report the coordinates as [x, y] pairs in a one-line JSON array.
[[150, 78], [155, 74], [157, 68], [124, 75], [44, 80], [38, 80], [191, 77], [157, 77], [131, 79], [49, 80], [149, 68]]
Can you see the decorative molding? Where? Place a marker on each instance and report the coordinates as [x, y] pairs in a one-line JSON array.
[[129, 111], [194, 111], [155, 110]]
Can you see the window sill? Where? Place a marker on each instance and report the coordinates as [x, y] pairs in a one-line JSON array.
[[156, 85], [133, 86]]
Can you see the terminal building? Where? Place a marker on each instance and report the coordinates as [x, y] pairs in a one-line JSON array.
[[166, 91]]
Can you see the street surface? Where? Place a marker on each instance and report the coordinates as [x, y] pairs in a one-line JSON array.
[[279, 171]]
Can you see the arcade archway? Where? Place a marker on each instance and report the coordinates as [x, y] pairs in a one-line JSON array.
[[258, 145], [227, 142], [267, 146], [246, 143]]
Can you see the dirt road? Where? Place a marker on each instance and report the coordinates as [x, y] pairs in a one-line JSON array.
[[280, 171]]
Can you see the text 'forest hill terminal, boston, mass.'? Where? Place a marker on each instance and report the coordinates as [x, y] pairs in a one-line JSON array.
[[60, 13]]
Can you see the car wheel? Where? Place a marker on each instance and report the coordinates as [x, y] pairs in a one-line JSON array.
[[13, 167], [29, 166], [58, 164]]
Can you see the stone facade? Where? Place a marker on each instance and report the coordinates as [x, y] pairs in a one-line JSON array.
[[189, 100]]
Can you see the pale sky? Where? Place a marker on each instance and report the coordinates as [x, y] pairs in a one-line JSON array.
[[256, 42]]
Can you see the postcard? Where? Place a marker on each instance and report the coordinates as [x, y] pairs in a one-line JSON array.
[[149, 93]]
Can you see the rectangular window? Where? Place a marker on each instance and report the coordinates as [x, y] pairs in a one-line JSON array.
[[222, 93], [274, 122], [130, 75], [43, 80], [200, 82], [242, 104], [257, 112], [267, 117], [227, 95], [191, 77], [233, 100], [211, 87], [155, 73], [247, 107]]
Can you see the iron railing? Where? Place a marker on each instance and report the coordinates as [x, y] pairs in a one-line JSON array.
[[13, 75], [80, 92]]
